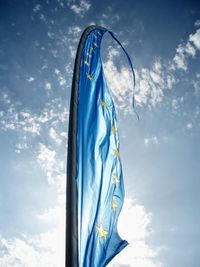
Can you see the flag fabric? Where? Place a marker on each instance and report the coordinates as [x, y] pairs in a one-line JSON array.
[[94, 164]]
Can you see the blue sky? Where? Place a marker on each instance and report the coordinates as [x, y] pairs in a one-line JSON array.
[[160, 153]]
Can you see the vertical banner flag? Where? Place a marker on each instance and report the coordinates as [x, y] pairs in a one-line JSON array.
[[95, 190]]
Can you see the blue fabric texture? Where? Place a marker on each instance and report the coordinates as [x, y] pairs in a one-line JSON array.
[[99, 172]]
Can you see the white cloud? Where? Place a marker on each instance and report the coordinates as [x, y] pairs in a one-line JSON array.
[[151, 140], [50, 35], [197, 23], [190, 50], [53, 134], [1, 114], [64, 135], [18, 252], [195, 39], [196, 84], [179, 58], [81, 8], [57, 71], [73, 36], [177, 103], [134, 226], [170, 79], [21, 121], [156, 77], [121, 85], [48, 249], [37, 8], [43, 18], [53, 167], [184, 51], [74, 30], [108, 18], [30, 79], [32, 127], [20, 147], [61, 78], [28, 126], [8, 126], [69, 69], [45, 249], [151, 83], [72, 50], [5, 97], [48, 85], [189, 125], [46, 155], [112, 52]]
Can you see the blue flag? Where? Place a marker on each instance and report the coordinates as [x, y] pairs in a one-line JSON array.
[[99, 178]]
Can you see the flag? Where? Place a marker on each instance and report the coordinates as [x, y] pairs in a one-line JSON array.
[[95, 188]]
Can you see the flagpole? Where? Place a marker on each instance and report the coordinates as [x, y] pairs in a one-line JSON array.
[[71, 248]]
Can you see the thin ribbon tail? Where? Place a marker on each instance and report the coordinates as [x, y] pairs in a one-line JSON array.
[[134, 109], [132, 70]]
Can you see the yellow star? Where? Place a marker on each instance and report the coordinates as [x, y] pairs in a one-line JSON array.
[[104, 104], [101, 231], [92, 49], [95, 35], [99, 33], [87, 63], [114, 205], [89, 77], [113, 129], [88, 54], [116, 152], [116, 179], [95, 44]]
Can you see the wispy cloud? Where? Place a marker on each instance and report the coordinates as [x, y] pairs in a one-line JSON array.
[[151, 83], [108, 18], [186, 50], [74, 30], [47, 85], [60, 77], [73, 34], [151, 140], [54, 135], [22, 252], [28, 125], [30, 79], [196, 84], [37, 8], [195, 39], [189, 125], [45, 248], [53, 167], [197, 23], [79, 8]]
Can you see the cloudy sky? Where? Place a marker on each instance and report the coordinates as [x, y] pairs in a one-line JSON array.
[[160, 153]]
